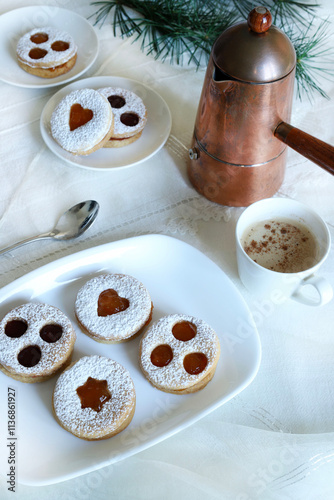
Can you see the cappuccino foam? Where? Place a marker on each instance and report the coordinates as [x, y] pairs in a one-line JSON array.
[[281, 245]]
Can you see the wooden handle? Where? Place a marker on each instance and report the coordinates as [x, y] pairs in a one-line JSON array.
[[313, 149]]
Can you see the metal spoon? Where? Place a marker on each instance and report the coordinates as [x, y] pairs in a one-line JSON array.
[[71, 224]]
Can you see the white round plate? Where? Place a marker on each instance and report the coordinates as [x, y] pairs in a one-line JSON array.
[[154, 135], [16, 23]]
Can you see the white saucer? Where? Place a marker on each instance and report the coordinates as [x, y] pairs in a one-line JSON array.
[[154, 136], [16, 23]]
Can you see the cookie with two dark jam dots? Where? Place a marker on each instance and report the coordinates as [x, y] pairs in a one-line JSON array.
[[46, 52], [130, 115]]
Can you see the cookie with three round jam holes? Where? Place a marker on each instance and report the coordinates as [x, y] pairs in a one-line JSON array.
[[82, 122], [94, 398], [113, 308], [130, 116], [179, 354], [36, 342], [46, 52]]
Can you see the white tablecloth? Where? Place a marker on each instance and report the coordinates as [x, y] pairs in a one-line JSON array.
[[276, 439]]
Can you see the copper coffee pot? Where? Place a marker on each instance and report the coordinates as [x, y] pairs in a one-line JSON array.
[[238, 152]]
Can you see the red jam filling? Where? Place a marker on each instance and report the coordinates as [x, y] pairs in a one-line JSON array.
[[130, 119], [51, 333], [15, 328], [116, 101], [29, 356]]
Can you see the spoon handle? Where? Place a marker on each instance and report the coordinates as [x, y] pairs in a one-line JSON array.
[[24, 242]]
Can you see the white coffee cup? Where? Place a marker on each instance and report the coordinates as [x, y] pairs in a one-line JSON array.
[[272, 284]]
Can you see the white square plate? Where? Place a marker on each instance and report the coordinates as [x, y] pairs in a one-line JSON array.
[[180, 279]]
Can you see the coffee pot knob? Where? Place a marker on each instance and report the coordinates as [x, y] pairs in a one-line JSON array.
[[259, 19]]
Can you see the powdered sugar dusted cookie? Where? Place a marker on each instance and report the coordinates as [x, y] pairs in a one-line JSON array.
[[36, 341], [113, 307], [46, 52], [130, 116], [179, 354], [82, 121], [94, 398]]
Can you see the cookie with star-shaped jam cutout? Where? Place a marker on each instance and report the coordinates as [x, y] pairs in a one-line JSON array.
[[94, 398]]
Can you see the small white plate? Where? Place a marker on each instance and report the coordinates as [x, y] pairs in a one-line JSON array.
[[180, 279], [17, 22], [154, 136]]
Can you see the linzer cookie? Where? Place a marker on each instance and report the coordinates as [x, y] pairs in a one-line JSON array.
[[94, 398], [113, 308], [82, 122], [36, 341], [46, 52], [129, 113], [179, 354]]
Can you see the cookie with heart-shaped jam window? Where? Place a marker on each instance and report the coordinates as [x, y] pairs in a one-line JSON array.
[[179, 354], [130, 116], [36, 342], [113, 308], [82, 122], [46, 52]]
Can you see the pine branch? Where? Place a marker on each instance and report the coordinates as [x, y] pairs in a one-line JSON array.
[[314, 58], [176, 28], [169, 28]]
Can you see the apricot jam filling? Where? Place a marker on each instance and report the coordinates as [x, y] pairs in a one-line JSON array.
[[161, 355], [184, 331], [60, 46], [39, 38], [37, 53], [195, 363], [110, 302], [93, 394], [79, 116]]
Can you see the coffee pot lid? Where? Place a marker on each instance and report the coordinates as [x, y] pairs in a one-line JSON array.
[[255, 51]]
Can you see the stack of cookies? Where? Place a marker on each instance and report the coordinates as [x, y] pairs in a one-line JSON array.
[[86, 120]]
